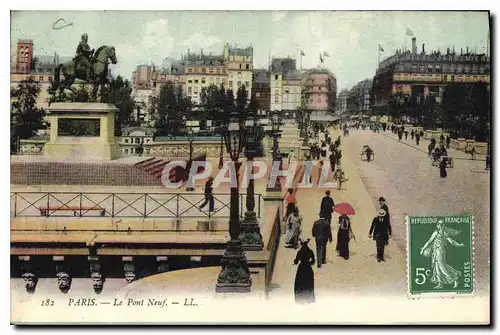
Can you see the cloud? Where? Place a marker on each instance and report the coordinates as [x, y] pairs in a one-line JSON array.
[[278, 16], [197, 41]]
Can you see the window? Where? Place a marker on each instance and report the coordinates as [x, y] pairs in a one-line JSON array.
[[40, 78], [276, 77], [211, 70], [257, 94], [137, 140], [126, 140], [217, 70], [154, 83], [247, 84], [190, 81], [240, 65], [248, 66], [223, 70], [190, 69], [50, 78], [217, 80], [203, 80], [190, 90], [239, 73], [239, 84], [196, 81], [126, 151], [287, 90], [230, 84], [203, 70], [276, 98]]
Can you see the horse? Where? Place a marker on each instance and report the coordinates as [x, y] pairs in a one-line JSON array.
[[72, 71]]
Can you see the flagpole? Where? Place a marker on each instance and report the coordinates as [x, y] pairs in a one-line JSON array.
[[379, 55]]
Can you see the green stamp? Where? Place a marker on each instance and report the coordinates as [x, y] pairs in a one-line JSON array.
[[440, 255]]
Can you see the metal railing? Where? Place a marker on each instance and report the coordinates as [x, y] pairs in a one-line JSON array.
[[124, 205]]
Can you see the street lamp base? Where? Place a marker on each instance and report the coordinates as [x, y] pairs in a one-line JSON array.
[[250, 236], [235, 275]]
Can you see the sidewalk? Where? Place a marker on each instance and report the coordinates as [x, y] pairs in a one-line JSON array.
[[455, 154], [361, 274]]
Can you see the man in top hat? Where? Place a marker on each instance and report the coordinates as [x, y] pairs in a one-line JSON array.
[[383, 205], [381, 231]]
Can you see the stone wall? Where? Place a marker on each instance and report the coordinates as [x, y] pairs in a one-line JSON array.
[[42, 173]]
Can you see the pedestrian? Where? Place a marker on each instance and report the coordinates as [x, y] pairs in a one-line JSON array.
[[344, 236], [430, 147], [339, 176], [412, 134], [417, 138], [400, 135], [323, 149], [406, 134], [322, 233], [381, 232], [291, 203], [293, 229], [209, 196], [326, 207], [304, 278], [339, 156], [332, 161], [308, 167], [442, 168], [368, 153], [448, 140]]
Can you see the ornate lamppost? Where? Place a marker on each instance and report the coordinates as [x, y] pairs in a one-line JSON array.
[[305, 142], [276, 122], [250, 235], [190, 137], [235, 275]]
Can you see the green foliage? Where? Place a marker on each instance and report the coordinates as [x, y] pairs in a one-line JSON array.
[[119, 93], [172, 107], [25, 117]]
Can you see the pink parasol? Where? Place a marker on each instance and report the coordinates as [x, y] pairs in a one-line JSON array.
[[344, 208]]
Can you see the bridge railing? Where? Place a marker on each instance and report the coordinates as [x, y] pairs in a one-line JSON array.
[[123, 205]]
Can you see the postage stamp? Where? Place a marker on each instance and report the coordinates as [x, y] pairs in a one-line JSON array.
[[440, 255]]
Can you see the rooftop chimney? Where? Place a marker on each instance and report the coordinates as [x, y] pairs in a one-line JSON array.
[[467, 52], [414, 45], [423, 48], [447, 51]]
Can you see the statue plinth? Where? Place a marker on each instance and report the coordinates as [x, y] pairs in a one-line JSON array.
[[83, 131]]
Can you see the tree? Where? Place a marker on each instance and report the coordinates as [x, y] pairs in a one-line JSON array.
[[241, 100], [119, 93], [26, 118], [480, 103], [254, 105], [167, 104]]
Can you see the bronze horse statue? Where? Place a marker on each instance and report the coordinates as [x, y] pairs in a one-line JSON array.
[[73, 70]]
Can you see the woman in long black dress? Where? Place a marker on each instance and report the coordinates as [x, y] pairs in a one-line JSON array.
[[343, 236], [304, 279]]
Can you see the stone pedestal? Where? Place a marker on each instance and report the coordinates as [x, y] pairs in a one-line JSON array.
[[86, 144], [462, 144]]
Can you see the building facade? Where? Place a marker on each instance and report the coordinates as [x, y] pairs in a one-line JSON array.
[[292, 92], [278, 72], [261, 90], [201, 72], [342, 101], [319, 90], [239, 63], [423, 74]]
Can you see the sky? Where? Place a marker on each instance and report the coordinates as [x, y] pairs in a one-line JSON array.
[[350, 38]]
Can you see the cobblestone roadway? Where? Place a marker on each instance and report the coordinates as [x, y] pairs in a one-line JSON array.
[[403, 175]]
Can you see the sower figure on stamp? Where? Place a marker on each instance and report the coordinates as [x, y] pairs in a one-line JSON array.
[[381, 231], [322, 233], [435, 248]]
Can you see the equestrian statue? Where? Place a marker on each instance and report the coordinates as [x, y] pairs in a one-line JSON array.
[[87, 66]]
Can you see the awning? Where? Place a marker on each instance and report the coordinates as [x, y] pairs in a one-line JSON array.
[[326, 118]]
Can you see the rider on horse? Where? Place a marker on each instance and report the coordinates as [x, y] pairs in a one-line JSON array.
[[84, 55]]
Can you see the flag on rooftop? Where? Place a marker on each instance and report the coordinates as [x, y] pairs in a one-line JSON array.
[[380, 48], [409, 32], [302, 53], [326, 54]]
